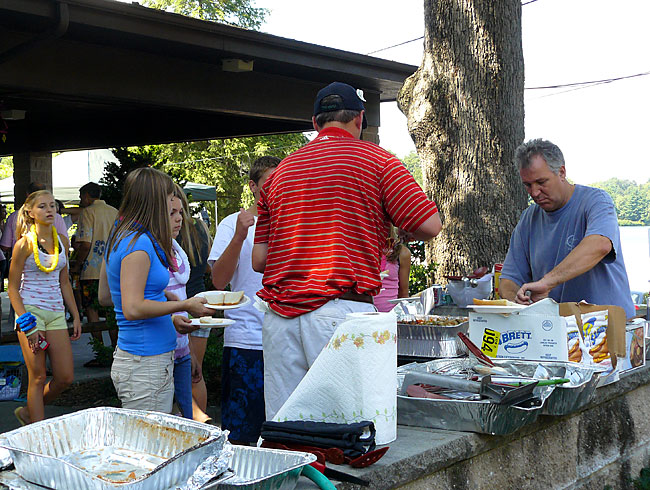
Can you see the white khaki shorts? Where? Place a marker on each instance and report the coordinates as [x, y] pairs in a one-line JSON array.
[[291, 345], [144, 382]]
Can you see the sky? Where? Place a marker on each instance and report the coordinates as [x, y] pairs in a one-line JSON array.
[[600, 129]]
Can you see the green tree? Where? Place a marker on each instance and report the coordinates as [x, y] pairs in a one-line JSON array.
[[412, 162], [241, 13], [223, 164], [115, 173], [633, 205]]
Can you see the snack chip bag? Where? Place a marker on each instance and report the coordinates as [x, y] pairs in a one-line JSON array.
[[574, 339], [594, 333]]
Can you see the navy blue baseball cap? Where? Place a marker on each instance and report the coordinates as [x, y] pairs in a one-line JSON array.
[[349, 98]]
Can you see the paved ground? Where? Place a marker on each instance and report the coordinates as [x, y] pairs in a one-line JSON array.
[[82, 353]]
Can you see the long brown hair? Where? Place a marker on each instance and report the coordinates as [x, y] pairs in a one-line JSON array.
[[24, 221], [393, 245], [144, 208], [189, 235]]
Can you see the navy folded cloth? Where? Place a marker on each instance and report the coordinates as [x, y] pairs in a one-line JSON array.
[[354, 439]]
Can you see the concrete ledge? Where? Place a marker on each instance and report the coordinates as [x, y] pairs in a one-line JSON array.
[[605, 444]]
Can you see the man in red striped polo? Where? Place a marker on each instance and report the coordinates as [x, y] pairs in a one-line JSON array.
[[324, 218]]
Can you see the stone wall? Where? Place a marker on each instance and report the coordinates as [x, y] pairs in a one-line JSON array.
[[607, 444]]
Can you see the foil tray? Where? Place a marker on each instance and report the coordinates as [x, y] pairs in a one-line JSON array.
[[264, 469], [107, 448], [431, 340], [481, 416], [566, 398], [256, 469]]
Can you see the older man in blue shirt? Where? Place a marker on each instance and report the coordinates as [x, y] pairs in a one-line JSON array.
[[567, 244]]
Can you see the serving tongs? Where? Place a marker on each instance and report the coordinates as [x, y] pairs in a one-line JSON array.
[[496, 393]]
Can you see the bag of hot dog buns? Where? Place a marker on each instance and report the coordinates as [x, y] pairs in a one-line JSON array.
[[594, 333], [575, 343]]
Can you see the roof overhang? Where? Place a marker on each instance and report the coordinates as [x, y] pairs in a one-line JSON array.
[[100, 73]]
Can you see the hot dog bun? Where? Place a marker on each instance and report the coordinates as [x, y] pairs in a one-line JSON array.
[[494, 302]]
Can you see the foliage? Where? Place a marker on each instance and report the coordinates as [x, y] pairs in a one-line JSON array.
[[421, 274], [632, 201], [643, 481], [236, 12], [103, 354], [115, 173], [6, 167], [412, 162], [212, 361], [223, 163]]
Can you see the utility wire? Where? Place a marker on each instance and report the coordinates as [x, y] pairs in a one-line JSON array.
[[421, 37], [592, 82], [584, 85]]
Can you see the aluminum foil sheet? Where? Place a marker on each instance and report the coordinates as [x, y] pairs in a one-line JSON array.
[[566, 398], [264, 469], [430, 340], [106, 448], [461, 415]]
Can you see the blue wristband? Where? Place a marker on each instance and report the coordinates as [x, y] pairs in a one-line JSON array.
[[26, 321]]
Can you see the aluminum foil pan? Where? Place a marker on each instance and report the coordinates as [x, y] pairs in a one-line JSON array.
[[264, 469], [107, 448], [430, 340], [566, 398], [481, 416]]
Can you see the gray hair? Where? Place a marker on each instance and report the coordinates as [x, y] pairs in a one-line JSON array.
[[548, 151]]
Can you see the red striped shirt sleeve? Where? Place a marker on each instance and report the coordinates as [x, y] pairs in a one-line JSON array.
[[404, 200]]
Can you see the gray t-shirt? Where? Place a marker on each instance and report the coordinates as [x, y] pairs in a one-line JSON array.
[[541, 240]]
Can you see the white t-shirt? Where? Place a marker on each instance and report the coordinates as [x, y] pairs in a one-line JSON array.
[[246, 333]]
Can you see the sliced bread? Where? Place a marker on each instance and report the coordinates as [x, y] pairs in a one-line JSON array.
[[233, 298], [214, 297]]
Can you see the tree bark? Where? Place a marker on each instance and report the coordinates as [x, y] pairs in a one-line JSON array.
[[465, 112]]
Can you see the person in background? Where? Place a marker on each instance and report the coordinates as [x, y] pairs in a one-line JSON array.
[[324, 218], [133, 278], [194, 238], [242, 378], [94, 225], [186, 371], [396, 262], [38, 286], [9, 237], [60, 208], [567, 244]]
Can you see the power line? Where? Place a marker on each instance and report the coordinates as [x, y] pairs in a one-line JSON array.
[[421, 37], [584, 85], [592, 82], [395, 45]]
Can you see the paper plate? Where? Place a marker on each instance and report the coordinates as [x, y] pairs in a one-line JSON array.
[[223, 323], [399, 300], [245, 300], [496, 308]]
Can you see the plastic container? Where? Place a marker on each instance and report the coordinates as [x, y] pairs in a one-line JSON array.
[[463, 292]]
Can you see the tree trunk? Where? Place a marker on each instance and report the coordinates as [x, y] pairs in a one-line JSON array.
[[465, 112]]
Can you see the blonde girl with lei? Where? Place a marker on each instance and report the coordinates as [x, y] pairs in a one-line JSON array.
[[38, 286]]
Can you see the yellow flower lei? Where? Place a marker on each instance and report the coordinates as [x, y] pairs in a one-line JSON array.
[[55, 238]]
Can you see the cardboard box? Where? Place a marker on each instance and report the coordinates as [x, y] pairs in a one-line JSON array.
[[538, 332]]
